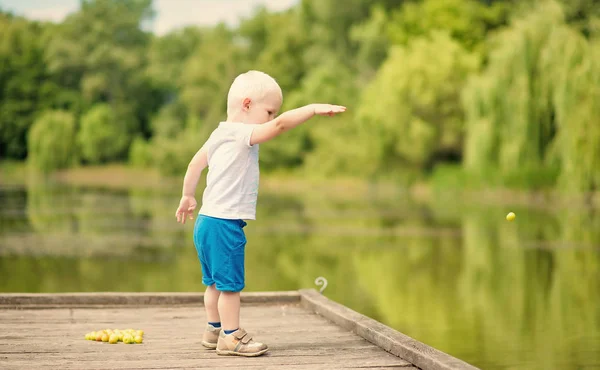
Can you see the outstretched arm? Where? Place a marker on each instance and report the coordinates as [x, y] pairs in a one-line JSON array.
[[188, 203], [290, 119]]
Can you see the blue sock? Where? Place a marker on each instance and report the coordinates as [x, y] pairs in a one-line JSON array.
[[215, 324], [229, 331]]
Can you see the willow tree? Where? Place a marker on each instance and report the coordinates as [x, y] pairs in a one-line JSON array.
[[577, 103], [532, 115], [51, 141]]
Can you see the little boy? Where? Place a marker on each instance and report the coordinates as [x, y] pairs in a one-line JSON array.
[[231, 154]]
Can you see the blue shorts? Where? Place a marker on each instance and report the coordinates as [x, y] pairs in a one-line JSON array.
[[221, 244]]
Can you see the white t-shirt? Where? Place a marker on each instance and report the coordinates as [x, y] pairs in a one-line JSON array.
[[232, 181]]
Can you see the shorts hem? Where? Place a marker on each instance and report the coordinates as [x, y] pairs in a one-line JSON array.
[[230, 288]]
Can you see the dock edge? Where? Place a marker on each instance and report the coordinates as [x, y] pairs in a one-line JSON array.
[[394, 342], [107, 299]]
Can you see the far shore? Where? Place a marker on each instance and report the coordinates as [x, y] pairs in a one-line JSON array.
[[121, 176]]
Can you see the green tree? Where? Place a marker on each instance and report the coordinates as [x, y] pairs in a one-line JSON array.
[[207, 75], [276, 45], [467, 21], [141, 153], [327, 24], [532, 114], [325, 145], [170, 120], [584, 15], [25, 84], [52, 141], [172, 156], [576, 97], [372, 41], [167, 56], [410, 114], [100, 51], [103, 136]]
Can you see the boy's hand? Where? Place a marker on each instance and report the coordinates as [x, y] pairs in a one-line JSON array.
[[328, 109], [187, 205]]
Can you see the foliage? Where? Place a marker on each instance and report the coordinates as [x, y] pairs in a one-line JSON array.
[[411, 111], [102, 136], [52, 141], [172, 156], [140, 153], [533, 113], [99, 51], [25, 85], [467, 21], [505, 87], [372, 41]]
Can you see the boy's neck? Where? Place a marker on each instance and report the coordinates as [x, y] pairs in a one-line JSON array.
[[237, 117]]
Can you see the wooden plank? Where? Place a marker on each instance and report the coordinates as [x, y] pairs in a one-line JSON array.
[[297, 339], [419, 354], [251, 363]]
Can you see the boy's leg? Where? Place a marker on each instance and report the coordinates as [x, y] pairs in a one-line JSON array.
[[230, 276], [234, 340], [213, 328], [202, 241], [229, 310], [211, 300], [230, 281]]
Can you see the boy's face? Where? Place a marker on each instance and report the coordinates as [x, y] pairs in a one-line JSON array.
[[264, 110]]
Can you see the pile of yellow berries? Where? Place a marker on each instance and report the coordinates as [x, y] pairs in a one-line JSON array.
[[114, 336]]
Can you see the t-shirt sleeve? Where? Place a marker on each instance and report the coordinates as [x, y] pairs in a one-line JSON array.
[[207, 144], [244, 134]]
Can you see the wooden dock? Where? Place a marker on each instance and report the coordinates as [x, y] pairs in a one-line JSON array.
[[304, 330]]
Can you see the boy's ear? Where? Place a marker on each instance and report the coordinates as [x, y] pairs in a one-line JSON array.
[[246, 104]]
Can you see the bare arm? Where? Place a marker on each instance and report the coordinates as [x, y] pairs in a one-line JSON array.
[[188, 203], [291, 119], [198, 163]]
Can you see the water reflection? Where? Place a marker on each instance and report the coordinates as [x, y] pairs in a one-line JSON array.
[[500, 295]]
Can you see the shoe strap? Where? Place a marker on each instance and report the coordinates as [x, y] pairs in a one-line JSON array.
[[242, 335], [239, 334]]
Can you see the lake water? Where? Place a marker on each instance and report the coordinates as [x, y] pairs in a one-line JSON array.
[[459, 277]]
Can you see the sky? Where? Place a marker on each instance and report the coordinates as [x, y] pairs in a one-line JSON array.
[[170, 14]]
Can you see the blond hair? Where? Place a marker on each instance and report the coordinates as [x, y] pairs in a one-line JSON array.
[[255, 85]]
